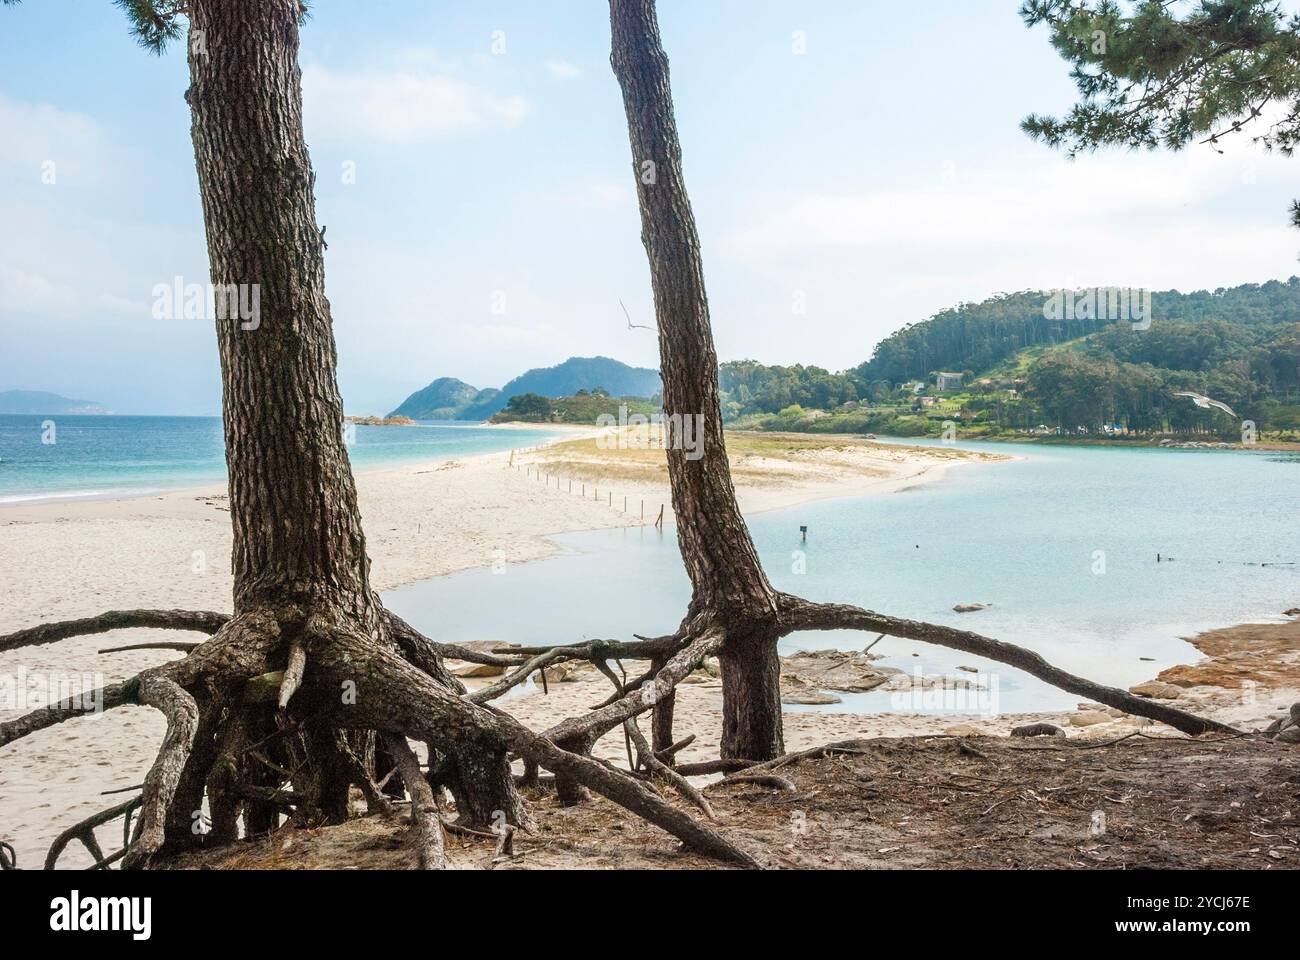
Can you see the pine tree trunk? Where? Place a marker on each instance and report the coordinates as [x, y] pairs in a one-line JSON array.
[[293, 505], [729, 586], [299, 551]]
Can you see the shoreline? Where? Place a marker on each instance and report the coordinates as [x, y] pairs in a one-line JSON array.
[[63, 560], [67, 559], [217, 485]]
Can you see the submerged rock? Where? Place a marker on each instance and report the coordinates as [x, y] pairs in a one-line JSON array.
[[971, 607]]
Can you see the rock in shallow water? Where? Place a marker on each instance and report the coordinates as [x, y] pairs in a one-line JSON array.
[[847, 670]]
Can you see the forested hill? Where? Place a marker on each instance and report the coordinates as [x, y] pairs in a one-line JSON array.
[[977, 336], [585, 373], [450, 399], [40, 402]]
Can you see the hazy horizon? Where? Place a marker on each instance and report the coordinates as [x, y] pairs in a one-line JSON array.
[[502, 179]]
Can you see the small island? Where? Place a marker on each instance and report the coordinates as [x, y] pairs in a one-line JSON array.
[[382, 421]]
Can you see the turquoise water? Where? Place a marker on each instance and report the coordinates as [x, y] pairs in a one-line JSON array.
[[1063, 543], [95, 456]]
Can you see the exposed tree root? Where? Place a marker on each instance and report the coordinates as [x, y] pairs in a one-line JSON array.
[[160, 784], [202, 621], [424, 807], [85, 832], [799, 614], [178, 645], [512, 680], [647, 759], [106, 698], [400, 698], [761, 779]]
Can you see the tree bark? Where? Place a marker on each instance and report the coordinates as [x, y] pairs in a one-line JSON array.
[[729, 586], [293, 505], [299, 551]]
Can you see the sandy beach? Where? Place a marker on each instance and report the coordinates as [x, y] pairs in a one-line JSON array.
[[61, 560]]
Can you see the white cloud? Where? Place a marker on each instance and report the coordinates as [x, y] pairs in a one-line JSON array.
[[401, 106], [37, 134], [22, 291], [601, 194], [863, 262], [1100, 220], [563, 69]]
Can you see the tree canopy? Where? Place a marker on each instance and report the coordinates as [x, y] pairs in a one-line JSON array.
[[1150, 76]]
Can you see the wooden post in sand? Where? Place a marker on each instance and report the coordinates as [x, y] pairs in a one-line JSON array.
[[643, 512], [660, 521]]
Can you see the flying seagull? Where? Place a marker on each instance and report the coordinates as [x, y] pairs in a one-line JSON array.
[[1205, 402], [630, 324]]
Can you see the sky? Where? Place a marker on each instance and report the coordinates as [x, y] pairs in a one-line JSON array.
[[854, 166]]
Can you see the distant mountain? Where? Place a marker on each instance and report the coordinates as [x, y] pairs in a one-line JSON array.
[[451, 399], [584, 373], [445, 399], [38, 401]]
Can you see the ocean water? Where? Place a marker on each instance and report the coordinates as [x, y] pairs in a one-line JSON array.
[[1063, 543], [98, 456]]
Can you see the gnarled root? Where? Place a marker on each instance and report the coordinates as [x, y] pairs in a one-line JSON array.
[[242, 733], [799, 614], [164, 776], [431, 854]]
